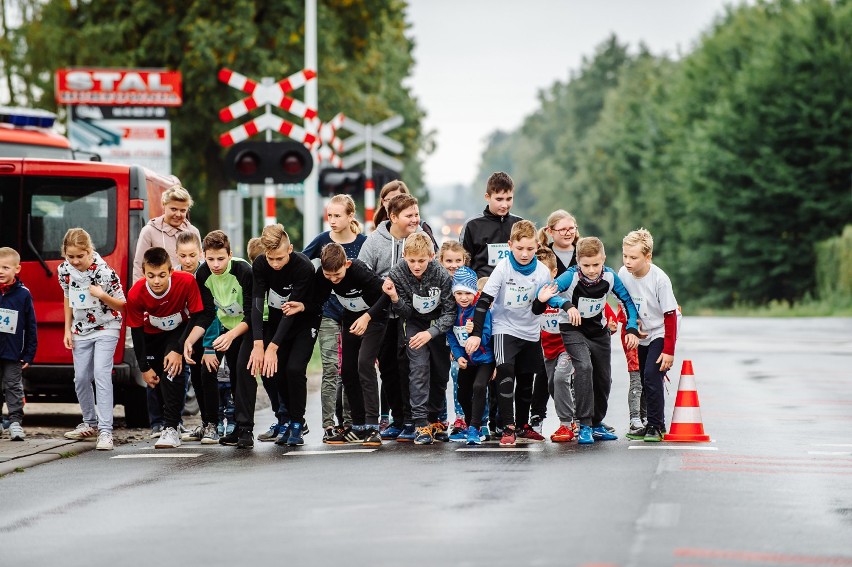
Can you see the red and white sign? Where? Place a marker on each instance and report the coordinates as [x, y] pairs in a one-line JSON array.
[[119, 87]]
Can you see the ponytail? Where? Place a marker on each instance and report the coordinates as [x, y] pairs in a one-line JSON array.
[[543, 237], [355, 226]]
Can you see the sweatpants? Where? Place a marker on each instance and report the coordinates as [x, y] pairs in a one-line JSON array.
[[358, 372], [473, 382], [438, 388], [13, 387], [210, 380], [429, 372], [329, 339], [171, 391], [243, 384], [540, 393], [592, 374], [292, 379], [394, 370], [560, 384], [93, 363], [653, 387], [195, 379], [516, 360]]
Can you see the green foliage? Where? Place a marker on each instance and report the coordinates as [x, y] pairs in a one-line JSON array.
[[834, 266], [363, 58]]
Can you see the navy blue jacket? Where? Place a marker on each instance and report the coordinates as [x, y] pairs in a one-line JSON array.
[[20, 346], [484, 354]]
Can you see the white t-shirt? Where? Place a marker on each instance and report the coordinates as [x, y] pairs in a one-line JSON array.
[[653, 296], [513, 293]]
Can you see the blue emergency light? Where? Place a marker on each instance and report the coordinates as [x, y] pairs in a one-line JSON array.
[[27, 117]]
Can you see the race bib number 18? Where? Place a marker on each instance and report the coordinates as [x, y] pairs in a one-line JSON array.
[[589, 307]]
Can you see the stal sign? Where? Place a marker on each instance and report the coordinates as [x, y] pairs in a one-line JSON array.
[[118, 87]]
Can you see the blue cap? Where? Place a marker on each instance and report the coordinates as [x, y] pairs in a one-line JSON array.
[[464, 280]]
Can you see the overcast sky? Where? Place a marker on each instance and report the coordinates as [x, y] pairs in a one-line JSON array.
[[479, 64]]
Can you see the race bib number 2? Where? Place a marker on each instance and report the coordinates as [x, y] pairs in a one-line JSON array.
[[8, 321]]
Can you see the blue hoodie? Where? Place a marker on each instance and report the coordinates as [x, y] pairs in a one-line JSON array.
[[484, 353], [20, 345]]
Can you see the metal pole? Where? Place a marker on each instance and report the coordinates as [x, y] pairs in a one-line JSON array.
[[311, 212]]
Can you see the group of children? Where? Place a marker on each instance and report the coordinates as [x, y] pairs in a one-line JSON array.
[[519, 316]]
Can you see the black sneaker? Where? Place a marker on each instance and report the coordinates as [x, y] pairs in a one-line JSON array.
[[373, 438], [652, 435], [231, 439], [328, 434], [348, 435], [246, 439]]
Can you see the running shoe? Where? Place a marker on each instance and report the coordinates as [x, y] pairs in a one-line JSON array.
[[295, 438], [245, 439], [372, 438], [609, 428], [16, 432], [439, 432], [220, 428], [484, 434], [527, 434], [652, 434], [601, 433], [210, 436], [284, 433], [536, 423], [156, 431], [473, 436], [564, 434], [508, 438], [169, 439], [347, 436], [194, 435], [636, 431], [272, 433], [230, 428], [105, 442], [83, 432], [384, 422], [391, 432], [460, 424], [424, 436], [407, 434], [231, 439], [459, 435], [585, 437]]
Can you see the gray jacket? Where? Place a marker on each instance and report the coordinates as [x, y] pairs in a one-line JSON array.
[[381, 251], [432, 293]]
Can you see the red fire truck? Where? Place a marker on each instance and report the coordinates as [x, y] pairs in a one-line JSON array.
[[43, 193]]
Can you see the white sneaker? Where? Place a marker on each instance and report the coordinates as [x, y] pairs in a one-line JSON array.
[[16, 432], [169, 439], [156, 431], [83, 432], [104, 441], [194, 435]]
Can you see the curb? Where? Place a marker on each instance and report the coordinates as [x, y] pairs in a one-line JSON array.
[[44, 455]]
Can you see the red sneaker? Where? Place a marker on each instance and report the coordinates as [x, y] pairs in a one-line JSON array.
[[529, 435], [508, 439], [563, 435], [459, 424]]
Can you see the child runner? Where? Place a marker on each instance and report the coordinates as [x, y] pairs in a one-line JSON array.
[[651, 290], [359, 290], [346, 231], [225, 284], [93, 303], [18, 338], [421, 294], [583, 291], [283, 279], [512, 288], [158, 308], [475, 369]]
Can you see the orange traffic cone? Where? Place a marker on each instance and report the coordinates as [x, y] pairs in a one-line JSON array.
[[686, 420]]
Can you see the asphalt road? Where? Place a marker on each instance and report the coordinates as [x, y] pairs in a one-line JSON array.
[[773, 488]]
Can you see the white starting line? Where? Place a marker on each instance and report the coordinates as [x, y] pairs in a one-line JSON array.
[[327, 452], [508, 449], [164, 455], [671, 448]]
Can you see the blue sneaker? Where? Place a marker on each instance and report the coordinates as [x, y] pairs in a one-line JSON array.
[[601, 433], [424, 436], [473, 436], [230, 428], [484, 434], [220, 428], [407, 434], [460, 435], [585, 437], [271, 433], [295, 438], [284, 434], [391, 432]]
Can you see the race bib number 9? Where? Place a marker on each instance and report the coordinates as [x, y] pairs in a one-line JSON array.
[[497, 252], [165, 323], [275, 301], [589, 307], [424, 305], [82, 299], [8, 321], [461, 334], [518, 296]]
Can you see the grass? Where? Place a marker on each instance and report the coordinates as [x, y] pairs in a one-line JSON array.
[[67, 455]]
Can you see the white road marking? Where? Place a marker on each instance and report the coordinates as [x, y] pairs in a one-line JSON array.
[[328, 452], [158, 456], [529, 449], [832, 444], [183, 447], [673, 448], [832, 453]]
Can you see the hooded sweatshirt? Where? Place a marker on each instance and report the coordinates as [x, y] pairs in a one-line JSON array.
[[429, 299], [159, 233], [91, 317], [381, 251]]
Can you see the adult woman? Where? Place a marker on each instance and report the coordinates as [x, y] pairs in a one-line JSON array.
[[163, 230]]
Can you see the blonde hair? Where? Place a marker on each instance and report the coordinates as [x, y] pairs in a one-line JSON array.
[[522, 229], [454, 246], [177, 193], [480, 283], [640, 237], [274, 236], [589, 246], [348, 205], [552, 219], [254, 248], [418, 244], [78, 238], [547, 257], [6, 252]]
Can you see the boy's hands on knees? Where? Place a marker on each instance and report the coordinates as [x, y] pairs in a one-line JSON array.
[[360, 325], [173, 363], [24, 365], [472, 344], [419, 339], [390, 290], [613, 325], [223, 342], [462, 362], [666, 361], [151, 377], [547, 291]]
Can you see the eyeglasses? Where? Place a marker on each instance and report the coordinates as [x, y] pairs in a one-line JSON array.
[[565, 231]]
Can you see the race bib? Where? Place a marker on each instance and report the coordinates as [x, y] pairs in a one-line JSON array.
[[589, 307], [235, 309], [8, 321], [497, 252], [356, 304], [275, 301], [518, 296], [424, 305], [638, 301], [550, 323], [165, 323], [461, 334], [82, 299]]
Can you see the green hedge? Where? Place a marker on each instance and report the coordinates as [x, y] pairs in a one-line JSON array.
[[834, 265]]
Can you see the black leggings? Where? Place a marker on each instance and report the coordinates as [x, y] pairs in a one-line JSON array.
[[292, 380], [473, 382]]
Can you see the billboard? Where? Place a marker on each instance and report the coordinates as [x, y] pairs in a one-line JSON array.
[[118, 87]]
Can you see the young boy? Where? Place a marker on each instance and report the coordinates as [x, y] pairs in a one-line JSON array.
[[651, 290], [420, 291], [18, 338], [359, 291], [512, 290], [225, 284], [158, 308], [583, 290]]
